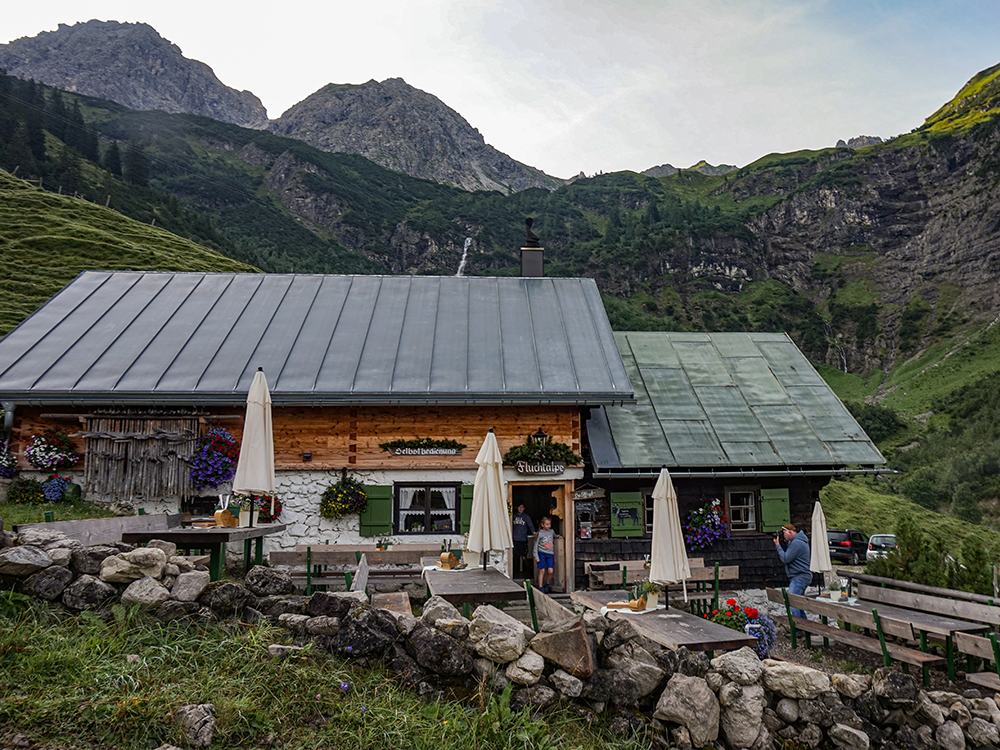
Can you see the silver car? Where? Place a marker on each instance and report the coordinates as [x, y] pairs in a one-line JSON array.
[[879, 545]]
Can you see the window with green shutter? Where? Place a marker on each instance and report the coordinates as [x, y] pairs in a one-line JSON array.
[[376, 520], [466, 516], [774, 509], [627, 514]]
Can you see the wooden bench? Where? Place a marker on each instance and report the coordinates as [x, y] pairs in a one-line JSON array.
[[867, 619], [624, 572], [894, 583], [985, 649], [332, 565], [91, 531], [938, 605]]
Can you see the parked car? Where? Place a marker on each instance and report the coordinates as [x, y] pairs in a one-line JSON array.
[[847, 545], [879, 545]]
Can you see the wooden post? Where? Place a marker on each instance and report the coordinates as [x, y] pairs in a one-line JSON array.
[[531, 604]]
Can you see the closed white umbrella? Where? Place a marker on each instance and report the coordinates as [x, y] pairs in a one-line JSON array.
[[255, 468], [489, 526], [819, 552], [668, 561]]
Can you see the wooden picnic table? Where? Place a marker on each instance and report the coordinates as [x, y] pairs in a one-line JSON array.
[[670, 627], [925, 623], [213, 539], [471, 585]]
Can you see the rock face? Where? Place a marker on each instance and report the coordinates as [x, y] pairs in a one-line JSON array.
[[407, 130], [129, 63]]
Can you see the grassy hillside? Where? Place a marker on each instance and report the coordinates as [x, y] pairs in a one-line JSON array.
[[47, 239]]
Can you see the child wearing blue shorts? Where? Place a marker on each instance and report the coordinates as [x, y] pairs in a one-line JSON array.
[[545, 547]]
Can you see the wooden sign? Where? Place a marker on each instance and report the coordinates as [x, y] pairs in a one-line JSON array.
[[590, 493]]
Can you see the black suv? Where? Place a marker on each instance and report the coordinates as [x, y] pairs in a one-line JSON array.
[[847, 545]]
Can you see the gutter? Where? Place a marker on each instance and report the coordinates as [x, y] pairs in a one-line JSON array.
[[741, 474], [8, 418]]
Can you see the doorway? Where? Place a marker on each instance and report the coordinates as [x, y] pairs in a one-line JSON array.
[[538, 501]]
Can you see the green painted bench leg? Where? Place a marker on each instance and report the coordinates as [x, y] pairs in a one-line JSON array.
[[881, 639], [217, 562], [246, 554], [826, 641], [258, 558], [348, 579], [466, 611]]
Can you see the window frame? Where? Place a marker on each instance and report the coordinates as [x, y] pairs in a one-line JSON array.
[[754, 506], [425, 487]]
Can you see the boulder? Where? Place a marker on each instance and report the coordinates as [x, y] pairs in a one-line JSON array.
[[565, 643], [526, 669], [264, 581], [611, 685], [981, 732], [294, 623], [323, 625], [23, 560], [169, 549], [950, 736], [146, 592], [272, 606], [742, 666], [787, 709], [437, 608], [131, 566], [197, 723], [497, 636], [365, 631], [742, 713], [537, 697], [61, 556], [405, 665], [689, 701], [566, 684], [618, 632], [334, 603], [87, 560], [225, 598], [851, 685], [458, 629], [87, 592], [189, 586], [848, 738], [48, 584], [172, 610], [182, 563], [928, 712], [635, 661], [895, 689], [439, 652], [960, 714], [793, 680], [39, 536]]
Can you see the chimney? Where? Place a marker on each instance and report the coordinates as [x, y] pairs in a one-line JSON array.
[[531, 253]]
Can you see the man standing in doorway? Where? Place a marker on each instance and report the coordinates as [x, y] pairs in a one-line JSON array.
[[522, 526], [796, 559]]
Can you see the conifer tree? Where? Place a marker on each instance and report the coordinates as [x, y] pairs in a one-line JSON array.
[[135, 167], [113, 159]]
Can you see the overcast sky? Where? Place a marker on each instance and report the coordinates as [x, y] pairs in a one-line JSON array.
[[594, 85]]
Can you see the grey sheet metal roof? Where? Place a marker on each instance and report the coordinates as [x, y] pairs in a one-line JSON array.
[[724, 401], [137, 337]]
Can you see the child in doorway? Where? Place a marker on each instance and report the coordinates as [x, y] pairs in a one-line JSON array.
[[545, 547], [522, 524]]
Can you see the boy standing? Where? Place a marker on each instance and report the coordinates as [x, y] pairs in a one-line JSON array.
[[545, 548], [522, 525]]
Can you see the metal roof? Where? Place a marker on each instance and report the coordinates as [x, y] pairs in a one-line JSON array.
[[138, 337], [724, 401]]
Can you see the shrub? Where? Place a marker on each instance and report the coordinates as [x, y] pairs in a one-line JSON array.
[[26, 492], [738, 618]]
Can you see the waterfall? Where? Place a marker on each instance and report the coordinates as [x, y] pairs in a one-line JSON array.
[[465, 256]]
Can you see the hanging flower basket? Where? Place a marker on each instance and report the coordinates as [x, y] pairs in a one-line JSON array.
[[214, 459], [51, 451], [343, 498], [706, 526]]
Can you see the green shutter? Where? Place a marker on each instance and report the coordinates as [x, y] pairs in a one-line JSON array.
[[774, 509], [376, 519], [466, 509], [627, 514]]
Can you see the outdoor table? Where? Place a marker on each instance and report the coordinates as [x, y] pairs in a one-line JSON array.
[[670, 627], [924, 622], [470, 585], [212, 539]]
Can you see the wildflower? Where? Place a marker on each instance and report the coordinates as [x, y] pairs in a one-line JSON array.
[[350, 649], [344, 686], [364, 708], [731, 602]]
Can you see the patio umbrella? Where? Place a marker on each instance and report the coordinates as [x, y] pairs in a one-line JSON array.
[[668, 561], [489, 526], [255, 468], [819, 552]]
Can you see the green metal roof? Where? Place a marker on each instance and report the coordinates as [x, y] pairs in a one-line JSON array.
[[724, 401]]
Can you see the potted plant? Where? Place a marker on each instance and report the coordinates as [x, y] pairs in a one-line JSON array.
[[835, 589], [652, 592], [249, 508]]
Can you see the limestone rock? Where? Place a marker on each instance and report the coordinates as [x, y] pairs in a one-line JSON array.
[[172, 610], [264, 581], [146, 592], [960, 714], [526, 669], [538, 697], [87, 592], [39, 536], [950, 736], [742, 666], [895, 689], [189, 586], [182, 564], [497, 636], [606, 685], [334, 603], [928, 712], [794, 681], [272, 606], [458, 629], [437, 608], [280, 651], [439, 652], [689, 701], [61, 556], [131, 566], [365, 631], [637, 663], [294, 623], [849, 738], [567, 645], [851, 685], [48, 584], [323, 625], [787, 710], [742, 713], [566, 684], [23, 560], [88, 560], [168, 548], [981, 732]]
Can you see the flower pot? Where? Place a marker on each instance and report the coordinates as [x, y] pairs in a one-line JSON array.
[[248, 517], [652, 600], [835, 595]]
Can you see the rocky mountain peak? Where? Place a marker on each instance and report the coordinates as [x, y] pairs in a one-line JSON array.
[[407, 130], [129, 63], [665, 170], [859, 141]]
